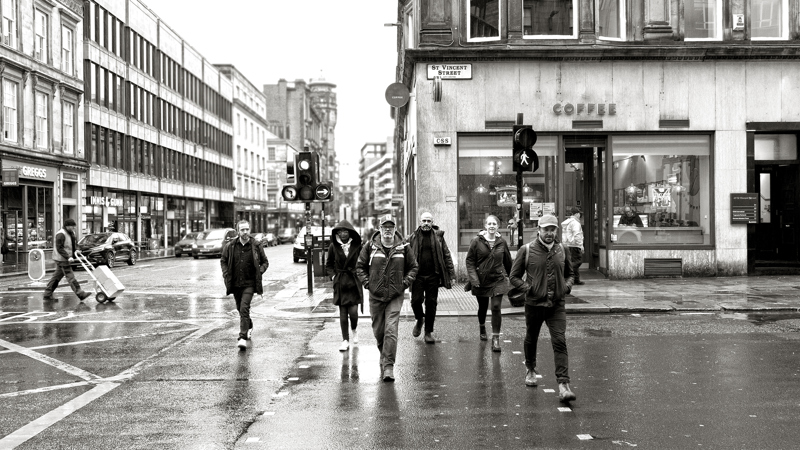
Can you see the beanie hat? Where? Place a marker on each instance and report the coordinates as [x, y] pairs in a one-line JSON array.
[[69, 223]]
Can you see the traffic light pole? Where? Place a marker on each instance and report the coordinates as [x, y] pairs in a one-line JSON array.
[[309, 253], [520, 241]]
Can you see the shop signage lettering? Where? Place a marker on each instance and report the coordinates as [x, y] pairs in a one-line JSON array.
[[34, 172], [105, 201], [600, 109]]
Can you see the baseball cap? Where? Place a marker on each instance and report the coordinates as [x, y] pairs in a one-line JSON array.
[[548, 220], [386, 220]]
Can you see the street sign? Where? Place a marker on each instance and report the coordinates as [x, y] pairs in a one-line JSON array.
[[323, 192], [289, 193], [397, 94]]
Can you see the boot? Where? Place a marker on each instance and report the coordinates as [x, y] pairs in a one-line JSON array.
[[429, 339], [530, 378], [564, 393], [483, 333], [495, 343], [418, 328]]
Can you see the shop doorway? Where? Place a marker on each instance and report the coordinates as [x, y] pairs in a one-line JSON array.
[[776, 232], [584, 171]]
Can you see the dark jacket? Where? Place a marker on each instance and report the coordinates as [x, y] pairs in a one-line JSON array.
[[632, 221], [386, 274], [487, 268], [539, 262], [226, 262], [347, 290], [444, 262]]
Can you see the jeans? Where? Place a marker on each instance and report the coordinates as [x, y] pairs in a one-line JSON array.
[[64, 270], [576, 258], [425, 290], [385, 322], [556, 320], [345, 312], [243, 297]]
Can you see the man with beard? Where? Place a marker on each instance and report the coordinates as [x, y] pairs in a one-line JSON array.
[[435, 269], [386, 267]]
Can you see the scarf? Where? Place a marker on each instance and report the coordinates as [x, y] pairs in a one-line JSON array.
[[345, 246]]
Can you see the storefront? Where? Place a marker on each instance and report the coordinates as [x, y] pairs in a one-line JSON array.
[[608, 142]]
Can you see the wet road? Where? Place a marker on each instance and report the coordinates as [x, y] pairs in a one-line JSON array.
[[158, 369]]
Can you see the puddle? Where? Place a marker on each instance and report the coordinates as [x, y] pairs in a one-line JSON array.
[[597, 332], [762, 318]]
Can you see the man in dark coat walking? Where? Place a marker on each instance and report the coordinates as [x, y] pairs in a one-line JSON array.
[[347, 291], [243, 262], [436, 269]]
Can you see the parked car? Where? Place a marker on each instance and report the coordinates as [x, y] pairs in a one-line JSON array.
[[299, 248], [108, 248], [266, 239], [210, 242], [286, 235], [184, 246]]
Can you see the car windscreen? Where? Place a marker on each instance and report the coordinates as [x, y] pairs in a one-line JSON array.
[[213, 234], [94, 239], [190, 236]]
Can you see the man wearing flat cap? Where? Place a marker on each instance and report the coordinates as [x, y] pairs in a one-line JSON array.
[[63, 255], [548, 280], [386, 267]]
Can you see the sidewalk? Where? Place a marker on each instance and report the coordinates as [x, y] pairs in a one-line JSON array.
[[654, 295], [21, 269]]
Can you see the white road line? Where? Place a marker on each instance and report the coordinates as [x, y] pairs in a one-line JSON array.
[[60, 365], [92, 341], [37, 426], [44, 389], [165, 268]]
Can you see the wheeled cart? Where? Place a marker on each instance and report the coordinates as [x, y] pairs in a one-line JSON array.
[[106, 285]]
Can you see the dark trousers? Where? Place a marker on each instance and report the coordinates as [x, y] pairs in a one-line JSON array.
[[556, 320], [385, 322], [576, 258], [425, 290], [483, 307], [348, 312], [63, 270], [243, 297]]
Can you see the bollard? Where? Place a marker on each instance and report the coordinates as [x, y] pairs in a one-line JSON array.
[[36, 264]]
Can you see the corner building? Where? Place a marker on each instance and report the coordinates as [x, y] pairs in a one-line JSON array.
[[158, 129], [685, 113]]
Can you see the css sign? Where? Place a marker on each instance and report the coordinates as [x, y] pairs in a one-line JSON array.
[[34, 172]]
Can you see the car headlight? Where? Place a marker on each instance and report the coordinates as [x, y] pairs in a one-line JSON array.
[[194, 245]]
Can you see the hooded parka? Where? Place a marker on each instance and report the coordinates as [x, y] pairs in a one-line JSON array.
[[347, 290], [386, 274], [488, 279]]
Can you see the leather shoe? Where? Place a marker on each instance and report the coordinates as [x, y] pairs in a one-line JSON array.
[[496, 343], [530, 378], [388, 373], [417, 328], [579, 283], [483, 334], [564, 392], [429, 339]]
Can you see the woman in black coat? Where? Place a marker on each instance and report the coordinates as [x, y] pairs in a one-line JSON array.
[[347, 291], [488, 264]]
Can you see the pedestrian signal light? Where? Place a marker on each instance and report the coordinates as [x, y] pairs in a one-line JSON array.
[[524, 158]]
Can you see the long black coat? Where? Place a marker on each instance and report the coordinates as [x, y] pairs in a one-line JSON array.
[[492, 281], [347, 289]]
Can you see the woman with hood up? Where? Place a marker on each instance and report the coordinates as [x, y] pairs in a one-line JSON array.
[[488, 264], [347, 291]]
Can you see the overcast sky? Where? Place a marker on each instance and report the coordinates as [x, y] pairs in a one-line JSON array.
[[344, 42]]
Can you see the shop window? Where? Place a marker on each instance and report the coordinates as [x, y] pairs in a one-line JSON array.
[[769, 19], [661, 190], [703, 19], [484, 20], [775, 147], [611, 20], [549, 19], [487, 185]]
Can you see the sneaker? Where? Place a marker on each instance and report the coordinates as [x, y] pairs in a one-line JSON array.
[[388, 373], [418, 328], [564, 392], [530, 377], [345, 345], [496, 344], [249, 334], [429, 339], [354, 336], [242, 344]]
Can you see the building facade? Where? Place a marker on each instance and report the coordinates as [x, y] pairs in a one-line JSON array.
[[281, 214], [158, 129], [250, 156], [376, 185], [685, 115], [44, 172]]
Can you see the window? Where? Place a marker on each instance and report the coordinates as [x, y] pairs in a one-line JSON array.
[[769, 19], [549, 18], [69, 130], [40, 40], [487, 185], [271, 153], [484, 20], [10, 23], [775, 147], [10, 109], [611, 23], [66, 50], [41, 120], [661, 190], [703, 19]]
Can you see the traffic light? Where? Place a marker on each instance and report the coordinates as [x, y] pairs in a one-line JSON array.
[[306, 168], [524, 158]]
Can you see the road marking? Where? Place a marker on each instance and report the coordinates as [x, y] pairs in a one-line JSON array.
[[78, 372], [44, 389], [30, 316], [37, 426], [92, 341], [165, 268]]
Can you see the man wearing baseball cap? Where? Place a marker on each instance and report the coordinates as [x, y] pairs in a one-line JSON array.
[[548, 279], [63, 255]]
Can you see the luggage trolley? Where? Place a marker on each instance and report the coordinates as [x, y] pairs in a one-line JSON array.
[[106, 285]]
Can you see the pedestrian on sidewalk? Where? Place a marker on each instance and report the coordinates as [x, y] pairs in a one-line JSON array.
[[435, 269], [343, 255], [243, 262], [572, 238], [64, 255], [548, 278], [488, 264], [386, 267]]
